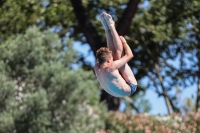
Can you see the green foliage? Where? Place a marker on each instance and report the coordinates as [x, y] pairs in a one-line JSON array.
[[36, 66], [52, 13], [16, 16], [41, 92], [6, 101], [164, 43]]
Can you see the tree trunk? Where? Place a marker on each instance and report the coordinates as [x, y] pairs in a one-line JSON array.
[[198, 85], [198, 57], [167, 101], [88, 29], [95, 40], [127, 16]]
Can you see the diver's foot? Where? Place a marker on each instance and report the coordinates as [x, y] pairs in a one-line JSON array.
[[109, 20], [103, 21]]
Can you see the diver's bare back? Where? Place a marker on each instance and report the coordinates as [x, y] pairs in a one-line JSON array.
[[112, 82]]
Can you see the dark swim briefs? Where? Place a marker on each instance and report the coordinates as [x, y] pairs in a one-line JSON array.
[[133, 87]]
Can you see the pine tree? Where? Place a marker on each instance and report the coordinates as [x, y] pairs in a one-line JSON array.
[[40, 90]]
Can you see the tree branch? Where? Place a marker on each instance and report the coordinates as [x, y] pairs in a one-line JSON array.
[[130, 101], [95, 41], [127, 16], [91, 34], [198, 84]]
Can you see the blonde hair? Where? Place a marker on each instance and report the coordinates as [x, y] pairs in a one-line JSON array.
[[103, 54]]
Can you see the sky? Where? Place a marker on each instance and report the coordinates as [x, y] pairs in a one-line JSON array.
[[157, 103]]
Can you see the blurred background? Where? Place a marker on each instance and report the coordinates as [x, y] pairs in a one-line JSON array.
[[47, 54]]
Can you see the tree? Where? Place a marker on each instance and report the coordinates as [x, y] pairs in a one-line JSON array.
[[61, 16], [162, 34], [162, 31], [191, 45], [95, 40], [41, 92], [158, 34]]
